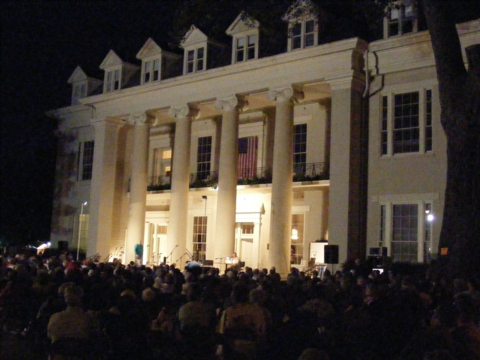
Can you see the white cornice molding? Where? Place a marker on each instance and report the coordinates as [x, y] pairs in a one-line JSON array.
[[338, 54], [413, 51], [109, 120]]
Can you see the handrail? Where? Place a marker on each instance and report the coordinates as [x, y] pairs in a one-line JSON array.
[[302, 172]]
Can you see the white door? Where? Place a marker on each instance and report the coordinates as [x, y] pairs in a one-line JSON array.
[[246, 251]]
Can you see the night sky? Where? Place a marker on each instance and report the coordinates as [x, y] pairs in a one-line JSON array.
[[42, 42], [41, 45]]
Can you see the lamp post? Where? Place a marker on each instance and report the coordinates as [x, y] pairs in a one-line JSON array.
[[204, 197], [80, 228]]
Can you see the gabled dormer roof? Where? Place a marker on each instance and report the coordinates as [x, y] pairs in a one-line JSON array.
[[77, 76], [242, 23], [112, 59], [300, 9], [152, 49], [193, 36]]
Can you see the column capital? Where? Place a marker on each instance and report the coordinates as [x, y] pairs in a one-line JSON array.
[[285, 94], [140, 119], [231, 102], [183, 111]]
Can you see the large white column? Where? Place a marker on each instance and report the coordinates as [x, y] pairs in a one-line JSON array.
[[138, 185], [348, 169], [227, 177], [102, 193], [177, 226], [282, 174]]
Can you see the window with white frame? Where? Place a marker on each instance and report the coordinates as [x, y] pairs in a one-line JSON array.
[[204, 156], [297, 239], [401, 18], [406, 228], [246, 48], [199, 238], [85, 160], [151, 71], [113, 80], [299, 148], [303, 33], [162, 160], [406, 123], [195, 60]]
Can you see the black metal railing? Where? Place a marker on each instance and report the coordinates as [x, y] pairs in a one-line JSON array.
[[248, 176], [310, 172]]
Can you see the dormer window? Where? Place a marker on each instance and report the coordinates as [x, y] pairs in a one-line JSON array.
[[113, 80], [201, 53], [401, 18], [303, 34], [79, 92], [157, 64], [245, 33], [246, 48], [196, 60], [82, 85], [302, 19], [117, 72], [151, 71]]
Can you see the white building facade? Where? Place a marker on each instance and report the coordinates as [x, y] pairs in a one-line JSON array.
[[261, 157]]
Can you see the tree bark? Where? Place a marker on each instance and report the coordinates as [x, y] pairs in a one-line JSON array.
[[460, 117]]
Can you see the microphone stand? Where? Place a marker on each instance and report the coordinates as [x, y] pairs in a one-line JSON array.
[[170, 255]]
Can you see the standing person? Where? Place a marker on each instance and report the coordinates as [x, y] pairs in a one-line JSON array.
[[244, 325], [196, 321]]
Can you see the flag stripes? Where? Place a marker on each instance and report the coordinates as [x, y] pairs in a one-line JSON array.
[[247, 157]]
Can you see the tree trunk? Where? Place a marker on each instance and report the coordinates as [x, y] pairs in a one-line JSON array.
[[460, 117]]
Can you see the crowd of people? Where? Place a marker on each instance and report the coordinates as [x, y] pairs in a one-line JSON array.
[[115, 311]]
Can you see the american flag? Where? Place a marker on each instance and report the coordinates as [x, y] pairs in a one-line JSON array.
[[247, 157]]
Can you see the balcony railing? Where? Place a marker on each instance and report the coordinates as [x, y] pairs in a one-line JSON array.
[[248, 176], [310, 172]]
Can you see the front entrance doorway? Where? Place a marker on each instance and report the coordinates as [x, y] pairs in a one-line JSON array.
[[244, 243]]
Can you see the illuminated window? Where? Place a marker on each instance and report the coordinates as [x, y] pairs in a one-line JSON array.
[[162, 158], [248, 228], [297, 239], [199, 238]]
